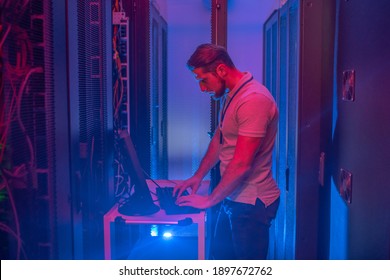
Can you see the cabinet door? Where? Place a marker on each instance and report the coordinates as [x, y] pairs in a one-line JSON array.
[[158, 68], [304, 89], [281, 78], [291, 125]]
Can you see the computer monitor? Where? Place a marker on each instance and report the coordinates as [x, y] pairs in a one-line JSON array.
[[140, 201]]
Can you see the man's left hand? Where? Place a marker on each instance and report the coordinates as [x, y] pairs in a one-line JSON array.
[[194, 200]]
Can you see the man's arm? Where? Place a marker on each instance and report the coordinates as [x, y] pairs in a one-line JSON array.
[[234, 174]]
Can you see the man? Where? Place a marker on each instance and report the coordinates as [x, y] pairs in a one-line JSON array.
[[243, 144]]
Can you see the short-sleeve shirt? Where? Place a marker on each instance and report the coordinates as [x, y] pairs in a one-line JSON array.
[[252, 112]]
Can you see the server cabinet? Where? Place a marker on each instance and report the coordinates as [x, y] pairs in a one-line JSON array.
[[159, 94], [89, 78], [298, 58], [56, 133], [29, 216]]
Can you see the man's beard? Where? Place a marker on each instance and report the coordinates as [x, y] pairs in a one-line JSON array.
[[221, 91]]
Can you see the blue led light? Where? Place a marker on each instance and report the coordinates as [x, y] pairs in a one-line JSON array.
[[154, 230], [167, 235]]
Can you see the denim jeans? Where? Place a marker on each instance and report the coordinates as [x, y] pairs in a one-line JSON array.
[[242, 230]]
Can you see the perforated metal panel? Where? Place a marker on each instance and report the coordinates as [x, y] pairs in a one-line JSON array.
[[27, 129], [93, 119]]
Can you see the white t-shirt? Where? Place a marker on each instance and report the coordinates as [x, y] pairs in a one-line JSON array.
[[251, 112]]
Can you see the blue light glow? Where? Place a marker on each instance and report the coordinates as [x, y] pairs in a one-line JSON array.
[[154, 230], [167, 235]]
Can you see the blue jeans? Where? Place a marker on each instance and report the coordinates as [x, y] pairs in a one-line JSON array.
[[242, 230]]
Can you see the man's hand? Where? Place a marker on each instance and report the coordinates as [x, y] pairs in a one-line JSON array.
[[193, 183], [194, 200]]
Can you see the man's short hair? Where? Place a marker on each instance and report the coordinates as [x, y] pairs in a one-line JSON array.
[[208, 57]]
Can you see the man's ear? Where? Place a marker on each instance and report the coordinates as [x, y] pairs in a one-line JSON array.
[[221, 70]]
